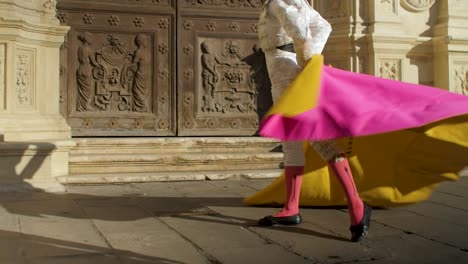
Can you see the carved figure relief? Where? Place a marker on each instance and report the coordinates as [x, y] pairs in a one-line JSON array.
[[461, 79], [113, 78], [142, 62], [417, 5], [84, 73], [209, 77], [228, 82], [390, 69], [120, 66]]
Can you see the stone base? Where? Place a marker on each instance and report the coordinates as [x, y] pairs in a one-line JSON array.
[[116, 178], [33, 128], [122, 160], [51, 186], [33, 165]]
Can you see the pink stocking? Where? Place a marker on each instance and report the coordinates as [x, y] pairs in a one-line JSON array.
[[355, 204], [293, 175]]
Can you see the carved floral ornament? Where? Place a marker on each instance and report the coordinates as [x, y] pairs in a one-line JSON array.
[[417, 5], [50, 4]]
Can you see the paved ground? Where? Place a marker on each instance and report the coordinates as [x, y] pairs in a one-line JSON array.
[[205, 222]]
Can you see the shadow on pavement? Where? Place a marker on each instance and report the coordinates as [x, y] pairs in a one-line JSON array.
[[38, 248], [112, 208]]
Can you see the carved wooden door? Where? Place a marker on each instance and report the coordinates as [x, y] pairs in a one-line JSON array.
[[119, 75], [223, 87]]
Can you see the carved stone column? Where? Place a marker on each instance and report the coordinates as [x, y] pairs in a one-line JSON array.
[[35, 137], [451, 46]]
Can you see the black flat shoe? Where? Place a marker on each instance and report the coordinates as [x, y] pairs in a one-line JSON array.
[[284, 220], [358, 232]]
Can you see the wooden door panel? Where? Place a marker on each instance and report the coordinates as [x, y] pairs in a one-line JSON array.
[[119, 75], [117, 68], [223, 87]]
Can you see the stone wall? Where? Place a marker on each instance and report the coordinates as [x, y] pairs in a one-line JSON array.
[[423, 42]]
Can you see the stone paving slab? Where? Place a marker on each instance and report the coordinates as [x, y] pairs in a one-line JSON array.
[[227, 242], [140, 233], [449, 200], [458, 188], [299, 239], [428, 228], [206, 222], [395, 246]]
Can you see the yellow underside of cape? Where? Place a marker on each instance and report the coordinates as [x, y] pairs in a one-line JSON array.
[[298, 100], [390, 169]]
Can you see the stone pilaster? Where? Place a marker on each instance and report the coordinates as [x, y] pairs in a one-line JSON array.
[[342, 50], [451, 46], [402, 40], [35, 137], [386, 38], [30, 38]]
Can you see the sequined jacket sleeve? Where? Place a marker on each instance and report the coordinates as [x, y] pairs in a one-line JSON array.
[[304, 25]]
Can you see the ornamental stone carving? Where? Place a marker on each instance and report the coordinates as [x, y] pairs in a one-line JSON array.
[[113, 78], [2, 76], [228, 82], [88, 19], [50, 4], [417, 5], [389, 5], [461, 79], [24, 76], [390, 69]]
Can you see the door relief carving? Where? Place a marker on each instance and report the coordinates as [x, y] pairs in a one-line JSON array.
[[224, 87], [113, 78], [118, 64], [227, 81], [120, 77]]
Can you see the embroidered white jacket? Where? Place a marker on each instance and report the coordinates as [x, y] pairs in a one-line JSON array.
[[293, 21]]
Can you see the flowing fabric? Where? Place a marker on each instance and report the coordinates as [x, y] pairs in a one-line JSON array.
[[401, 139]]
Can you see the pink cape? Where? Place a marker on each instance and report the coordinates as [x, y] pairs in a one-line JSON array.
[[401, 139], [353, 104]]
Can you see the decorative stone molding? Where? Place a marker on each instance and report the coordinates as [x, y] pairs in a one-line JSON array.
[[390, 69], [50, 5], [461, 79], [226, 3], [25, 72], [417, 5], [389, 6], [2, 76]]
